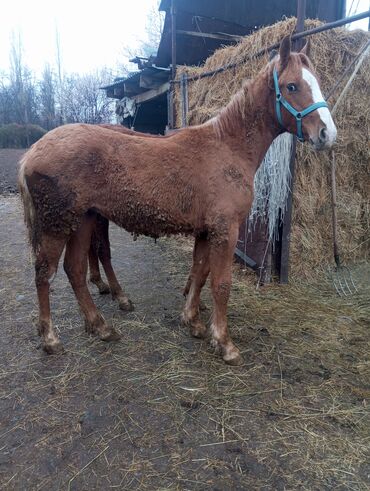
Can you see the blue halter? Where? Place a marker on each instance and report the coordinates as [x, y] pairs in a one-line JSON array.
[[298, 115]]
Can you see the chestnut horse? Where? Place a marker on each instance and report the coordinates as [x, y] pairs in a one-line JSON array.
[[197, 181]]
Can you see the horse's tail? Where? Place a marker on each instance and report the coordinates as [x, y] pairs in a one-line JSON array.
[[30, 217]]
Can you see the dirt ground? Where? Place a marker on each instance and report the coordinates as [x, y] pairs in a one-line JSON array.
[[9, 158], [158, 410]]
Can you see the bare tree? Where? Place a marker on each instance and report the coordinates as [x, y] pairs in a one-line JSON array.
[[7, 109], [147, 46], [153, 27], [84, 101], [55, 98], [17, 78], [22, 83], [47, 99], [60, 86]]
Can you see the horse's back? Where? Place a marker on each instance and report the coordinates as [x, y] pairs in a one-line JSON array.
[[152, 186], [65, 144]]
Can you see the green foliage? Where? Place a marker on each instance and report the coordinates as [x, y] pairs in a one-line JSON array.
[[15, 135]]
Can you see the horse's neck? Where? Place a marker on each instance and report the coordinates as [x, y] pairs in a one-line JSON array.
[[247, 121]]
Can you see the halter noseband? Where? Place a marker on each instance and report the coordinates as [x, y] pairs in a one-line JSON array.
[[298, 115]]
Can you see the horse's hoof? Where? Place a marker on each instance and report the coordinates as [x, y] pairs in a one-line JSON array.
[[235, 361], [98, 327], [126, 304], [89, 328], [101, 286], [54, 348], [216, 346], [202, 306], [198, 330], [110, 335]]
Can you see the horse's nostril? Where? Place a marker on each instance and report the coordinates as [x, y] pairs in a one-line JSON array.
[[323, 134]]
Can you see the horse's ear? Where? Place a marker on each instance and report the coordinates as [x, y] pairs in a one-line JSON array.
[[306, 48], [284, 52], [273, 53]]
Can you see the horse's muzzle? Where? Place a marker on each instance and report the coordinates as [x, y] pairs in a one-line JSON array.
[[325, 139]]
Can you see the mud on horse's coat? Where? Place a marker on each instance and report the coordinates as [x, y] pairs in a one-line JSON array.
[[197, 181]]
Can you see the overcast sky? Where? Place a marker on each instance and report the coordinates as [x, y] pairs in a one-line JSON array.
[[92, 34]]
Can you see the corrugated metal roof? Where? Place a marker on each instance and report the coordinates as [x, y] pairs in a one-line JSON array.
[[256, 12], [120, 80], [235, 17]]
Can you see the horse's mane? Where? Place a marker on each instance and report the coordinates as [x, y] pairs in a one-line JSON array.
[[230, 118]]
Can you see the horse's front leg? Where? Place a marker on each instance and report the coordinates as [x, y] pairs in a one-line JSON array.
[[221, 259]]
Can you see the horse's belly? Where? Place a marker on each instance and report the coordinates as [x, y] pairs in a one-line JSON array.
[[148, 220]]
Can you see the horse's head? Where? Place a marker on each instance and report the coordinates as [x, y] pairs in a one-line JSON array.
[[299, 105]]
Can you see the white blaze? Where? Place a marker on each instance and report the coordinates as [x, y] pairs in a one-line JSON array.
[[323, 111]]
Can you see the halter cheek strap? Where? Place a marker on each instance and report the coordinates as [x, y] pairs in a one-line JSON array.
[[298, 115]]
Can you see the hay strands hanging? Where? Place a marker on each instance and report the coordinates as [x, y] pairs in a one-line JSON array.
[[340, 275]]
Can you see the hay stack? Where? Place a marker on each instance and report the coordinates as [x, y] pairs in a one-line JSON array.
[[331, 52]]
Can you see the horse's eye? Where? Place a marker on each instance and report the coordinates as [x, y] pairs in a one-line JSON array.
[[292, 88]]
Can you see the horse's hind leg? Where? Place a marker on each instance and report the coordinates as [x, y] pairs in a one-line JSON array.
[[102, 231], [46, 264], [95, 276], [75, 265], [197, 278]]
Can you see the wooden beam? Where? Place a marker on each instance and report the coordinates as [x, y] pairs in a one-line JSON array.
[[173, 40], [150, 81], [218, 36], [171, 91], [234, 37], [170, 111], [130, 88], [286, 227], [184, 100], [118, 92], [151, 94]]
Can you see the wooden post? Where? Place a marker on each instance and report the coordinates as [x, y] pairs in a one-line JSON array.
[[301, 15], [283, 247], [184, 99], [173, 39], [170, 94], [170, 108]]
